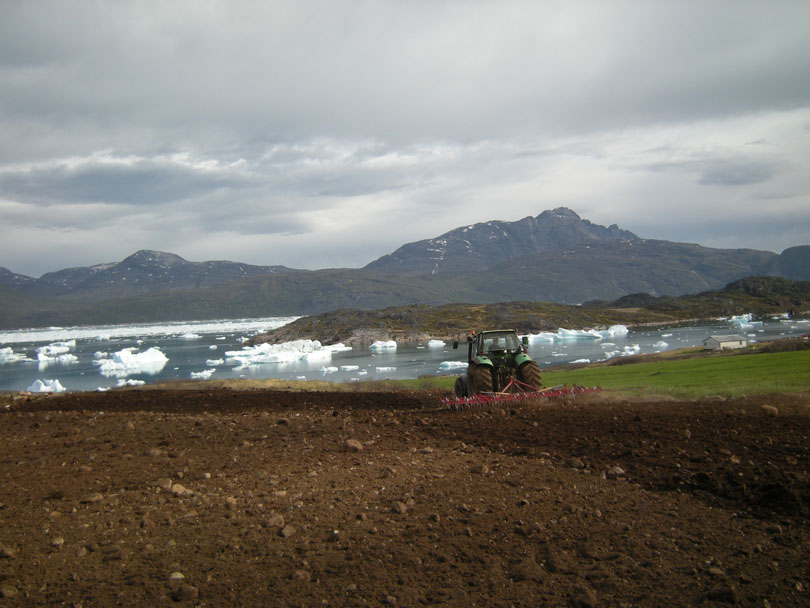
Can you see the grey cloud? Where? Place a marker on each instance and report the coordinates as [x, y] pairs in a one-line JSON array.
[[145, 183], [737, 174]]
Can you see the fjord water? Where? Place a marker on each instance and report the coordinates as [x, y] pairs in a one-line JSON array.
[[102, 357]]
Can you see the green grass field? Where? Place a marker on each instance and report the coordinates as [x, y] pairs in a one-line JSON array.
[[730, 375]]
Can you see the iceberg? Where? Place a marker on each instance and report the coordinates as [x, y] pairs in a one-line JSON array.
[[7, 355], [214, 362], [349, 368], [660, 344], [436, 344], [631, 350], [615, 331], [384, 345], [328, 369], [129, 361], [47, 386], [130, 382], [203, 375], [285, 352], [581, 361], [386, 369], [453, 365]]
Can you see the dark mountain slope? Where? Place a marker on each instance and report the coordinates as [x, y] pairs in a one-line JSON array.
[[480, 246], [618, 268], [143, 272]]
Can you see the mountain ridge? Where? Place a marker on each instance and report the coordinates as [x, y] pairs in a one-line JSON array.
[[554, 257]]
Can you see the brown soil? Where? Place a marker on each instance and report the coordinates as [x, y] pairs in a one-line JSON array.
[[592, 502]]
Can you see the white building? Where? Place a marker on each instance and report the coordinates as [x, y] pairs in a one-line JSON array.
[[724, 342]]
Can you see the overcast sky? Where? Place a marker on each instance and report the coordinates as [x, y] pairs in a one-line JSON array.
[[325, 134]]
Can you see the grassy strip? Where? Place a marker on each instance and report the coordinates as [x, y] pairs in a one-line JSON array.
[[687, 378], [730, 375]]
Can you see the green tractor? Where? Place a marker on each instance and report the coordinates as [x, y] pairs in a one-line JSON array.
[[496, 360]]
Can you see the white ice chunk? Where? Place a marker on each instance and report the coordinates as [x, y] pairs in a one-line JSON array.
[[129, 361], [660, 344], [384, 345], [386, 369], [203, 375], [213, 347], [666, 335], [632, 350], [436, 344], [581, 361], [286, 352], [214, 362], [349, 368], [453, 365], [7, 355], [615, 331], [47, 386], [578, 334], [328, 369], [130, 382], [191, 336]]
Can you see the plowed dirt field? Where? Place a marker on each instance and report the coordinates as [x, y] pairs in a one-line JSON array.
[[266, 498]]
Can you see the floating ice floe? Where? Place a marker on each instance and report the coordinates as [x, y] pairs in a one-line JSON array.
[[203, 375], [436, 344], [349, 368], [660, 344], [190, 336], [386, 369], [286, 352], [213, 347], [453, 365], [328, 369], [144, 330], [384, 345], [567, 335], [214, 362], [615, 331], [7, 355], [632, 350], [57, 353], [581, 361], [745, 321], [129, 361], [130, 382], [47, 386]]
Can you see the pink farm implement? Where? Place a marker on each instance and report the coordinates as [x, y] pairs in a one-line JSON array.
[[514, 391]]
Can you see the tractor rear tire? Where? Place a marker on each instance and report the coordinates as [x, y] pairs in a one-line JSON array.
[[479, 379], [460, 389], [529, 373]]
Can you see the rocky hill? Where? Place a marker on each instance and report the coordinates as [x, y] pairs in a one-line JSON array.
[[758, 295], [142, 272]]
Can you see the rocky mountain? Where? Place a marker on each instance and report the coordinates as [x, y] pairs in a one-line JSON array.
[[142, 272], [555, 257], [793, 263], [480, 246]]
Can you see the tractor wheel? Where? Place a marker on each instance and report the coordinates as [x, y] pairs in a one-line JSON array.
[[460, 389], [529, 373], [479, 379]]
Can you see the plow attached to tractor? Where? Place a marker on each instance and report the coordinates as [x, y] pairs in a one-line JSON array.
[[499, 369]]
